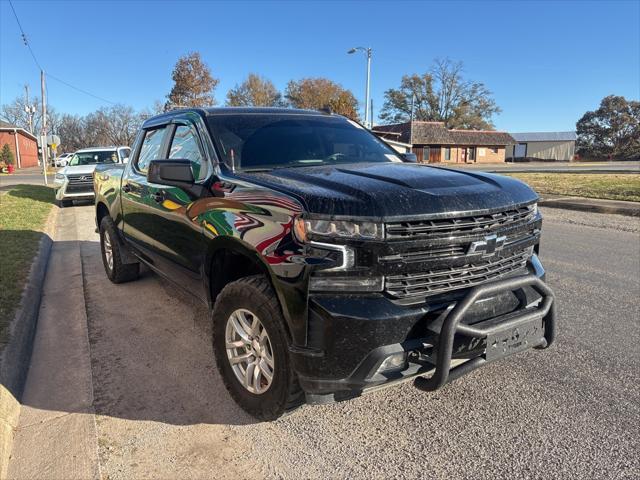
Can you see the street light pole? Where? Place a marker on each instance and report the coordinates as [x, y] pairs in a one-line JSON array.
[[368, 122]]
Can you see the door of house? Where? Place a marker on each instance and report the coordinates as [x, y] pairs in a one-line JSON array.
[[434, 154]]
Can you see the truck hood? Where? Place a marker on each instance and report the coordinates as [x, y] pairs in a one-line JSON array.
[[384, 190], [78, 170]]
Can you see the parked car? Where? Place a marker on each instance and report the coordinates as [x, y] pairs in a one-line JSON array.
[[62, 160], [332, 267], [75, 180]]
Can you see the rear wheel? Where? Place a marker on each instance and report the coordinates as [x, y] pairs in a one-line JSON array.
[[251, 349], [117, 271]]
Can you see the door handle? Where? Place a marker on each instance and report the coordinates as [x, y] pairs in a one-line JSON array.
[[126, 188], [158, 196]]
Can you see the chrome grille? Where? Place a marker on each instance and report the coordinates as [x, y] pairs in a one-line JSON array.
[[460, 226], [80, 183], [423, 284]]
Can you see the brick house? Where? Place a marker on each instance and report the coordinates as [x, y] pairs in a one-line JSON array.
[[432, 142], [23, 144]]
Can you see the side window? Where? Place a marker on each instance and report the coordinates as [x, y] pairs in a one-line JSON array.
[[184, 146], [150, 149], [124, 153]]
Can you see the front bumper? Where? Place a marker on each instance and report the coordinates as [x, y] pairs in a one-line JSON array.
[[350, 337], [64, 191]]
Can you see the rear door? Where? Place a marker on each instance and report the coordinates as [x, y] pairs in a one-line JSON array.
[[138, 197], [161, 223]]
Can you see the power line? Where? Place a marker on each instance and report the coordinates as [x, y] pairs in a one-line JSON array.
[[26, 42], [79, 89], [24, 36]]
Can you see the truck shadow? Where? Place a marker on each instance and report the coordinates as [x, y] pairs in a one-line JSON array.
[[151, 351], [150, 347]]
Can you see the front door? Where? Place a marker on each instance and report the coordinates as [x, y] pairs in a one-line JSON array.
[[434, 154]]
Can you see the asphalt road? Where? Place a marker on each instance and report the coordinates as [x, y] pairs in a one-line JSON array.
[[572, 411], [31, 178]]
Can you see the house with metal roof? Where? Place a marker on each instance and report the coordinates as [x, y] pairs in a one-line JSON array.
[[542, 146], [433, 142]]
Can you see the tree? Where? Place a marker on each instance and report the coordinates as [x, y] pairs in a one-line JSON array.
[[255, 91], [442, 95], [193, 83], [72, 133], [613, 130], [316, 93], [15, 114], [6, 155]]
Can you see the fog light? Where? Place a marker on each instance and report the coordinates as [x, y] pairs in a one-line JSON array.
[[397, 361], [345, 284]]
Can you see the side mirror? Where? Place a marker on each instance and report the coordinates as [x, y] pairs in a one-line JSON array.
[[175, 173], [409, 157]]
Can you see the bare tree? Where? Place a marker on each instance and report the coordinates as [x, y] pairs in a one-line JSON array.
[[443, 95], [193, 83], [316, 93], [255, 91]]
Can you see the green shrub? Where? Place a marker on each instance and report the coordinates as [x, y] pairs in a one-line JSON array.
[[6, 155]]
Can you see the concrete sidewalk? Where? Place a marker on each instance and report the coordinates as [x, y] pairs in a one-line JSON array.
[[56, 435], [591, 205]]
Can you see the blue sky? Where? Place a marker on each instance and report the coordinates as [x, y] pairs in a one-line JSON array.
[[546, 62]]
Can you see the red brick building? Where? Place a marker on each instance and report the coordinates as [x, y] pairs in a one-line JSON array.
[[23, 144]]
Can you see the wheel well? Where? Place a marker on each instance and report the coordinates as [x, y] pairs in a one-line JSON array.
[[101, 212], [228, 266]]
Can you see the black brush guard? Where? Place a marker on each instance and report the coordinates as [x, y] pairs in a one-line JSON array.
[[545, 311]]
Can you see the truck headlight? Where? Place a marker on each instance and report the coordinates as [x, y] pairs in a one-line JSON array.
[[59, 177], [305, 227]]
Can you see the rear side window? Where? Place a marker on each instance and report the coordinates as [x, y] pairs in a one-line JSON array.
[[151, 147], [184, 146]]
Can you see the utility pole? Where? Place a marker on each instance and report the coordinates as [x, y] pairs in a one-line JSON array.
[[30, 109], [43, 139]]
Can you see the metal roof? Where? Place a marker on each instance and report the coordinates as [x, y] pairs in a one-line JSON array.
[[544, 136]]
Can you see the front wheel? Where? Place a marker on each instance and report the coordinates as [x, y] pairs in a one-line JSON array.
[[250, 344]]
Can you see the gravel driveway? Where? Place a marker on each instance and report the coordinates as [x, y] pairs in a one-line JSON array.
[[572, 411]]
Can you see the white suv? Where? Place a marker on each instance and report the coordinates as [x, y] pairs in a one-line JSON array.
[[75, 180]]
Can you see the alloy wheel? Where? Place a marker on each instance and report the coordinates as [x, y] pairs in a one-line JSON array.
[[249, 351], [108, 249]]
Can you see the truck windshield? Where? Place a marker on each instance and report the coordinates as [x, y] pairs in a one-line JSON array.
[[91, 158], [266, 141]]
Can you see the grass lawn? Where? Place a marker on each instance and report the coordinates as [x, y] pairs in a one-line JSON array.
[[592, 185], [23, 213]]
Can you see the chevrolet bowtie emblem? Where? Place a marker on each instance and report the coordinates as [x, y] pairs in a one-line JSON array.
[[489, 246]]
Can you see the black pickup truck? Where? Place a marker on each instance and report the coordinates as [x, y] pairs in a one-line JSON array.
[[331, 266]]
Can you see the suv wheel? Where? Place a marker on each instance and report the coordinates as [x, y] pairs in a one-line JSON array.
[[251, 349], [117, 271]]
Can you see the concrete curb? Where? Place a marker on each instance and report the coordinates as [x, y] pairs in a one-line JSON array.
[[16, 356], [585, 206]]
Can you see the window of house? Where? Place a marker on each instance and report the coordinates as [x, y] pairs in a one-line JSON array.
[[151, 146], [447, 153], [494, 149]]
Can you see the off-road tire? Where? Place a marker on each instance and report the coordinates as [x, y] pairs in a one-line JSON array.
[[121, 272], [256, 295]]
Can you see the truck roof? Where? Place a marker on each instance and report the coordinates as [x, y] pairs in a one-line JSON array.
[[204, 112]]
